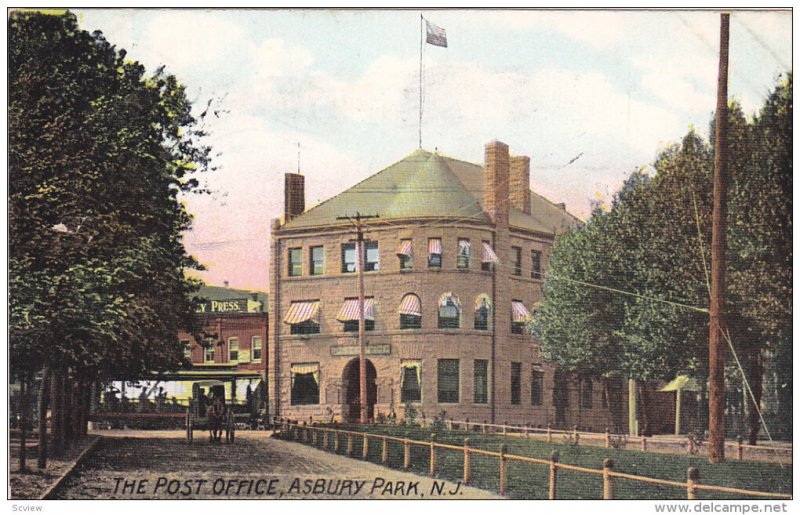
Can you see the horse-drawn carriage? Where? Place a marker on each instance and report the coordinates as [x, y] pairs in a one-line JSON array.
[[210, 412]]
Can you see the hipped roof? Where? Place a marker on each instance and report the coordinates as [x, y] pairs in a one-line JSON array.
[[428, 185]]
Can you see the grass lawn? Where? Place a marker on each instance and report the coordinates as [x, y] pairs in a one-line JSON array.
[[530, 481]]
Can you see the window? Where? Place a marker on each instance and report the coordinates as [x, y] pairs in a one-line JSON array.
[[435, 253], [295, 262], [520, 316], [586, 393], [317, 261], [488, 257], [516, 383], [463, 253], [256, 345], [351, 326], [537, 387], [349, 314], [410, 312], [516, 253], [303, 317], [481, 381], [348, 258], [208, 355], [483, 308], [233, 350], [187, 349], [447, 380], [410, 381], [305, 383], [372, 260], [405, 252], [536, 264], [449, 312]]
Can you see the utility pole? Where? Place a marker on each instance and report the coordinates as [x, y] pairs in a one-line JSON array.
[[362, 362], [716, 350]]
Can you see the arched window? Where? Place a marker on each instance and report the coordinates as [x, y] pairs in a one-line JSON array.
[[483, 312], [410, 312], [449, 311]]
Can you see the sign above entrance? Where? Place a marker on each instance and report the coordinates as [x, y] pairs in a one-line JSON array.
[[369, 350]]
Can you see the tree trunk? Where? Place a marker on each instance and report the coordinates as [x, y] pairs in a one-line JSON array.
[[22, 407], [44, 400], [69, 410], [57, 420], [755, 376]]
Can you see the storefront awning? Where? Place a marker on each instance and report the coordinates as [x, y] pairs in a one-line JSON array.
[[463, 247], [300, 312], [449, 299], [519, 313], [483, 301], [488, 254], [410, 305], [405, 249], [435, 246], [350, 310]]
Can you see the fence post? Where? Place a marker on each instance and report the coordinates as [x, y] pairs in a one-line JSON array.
[[325, 439], [503, 469], [384, 450], [350, 444], [689, 445], [484, 427], [608, 439], [739, 448], [608, 481], [576, 435], [467, 471], [406, 454], [505, 424], [336, 441], [553, 475], [467, 424], [693, 478], [549, 434], [304, 433], [526, 429], [644, 443], [365, 450], [433, 455], [450, 427]]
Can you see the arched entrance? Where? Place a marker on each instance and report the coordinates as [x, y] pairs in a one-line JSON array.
[[351, 410]]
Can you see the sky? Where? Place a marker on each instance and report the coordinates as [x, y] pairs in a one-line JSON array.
[[590, 96]]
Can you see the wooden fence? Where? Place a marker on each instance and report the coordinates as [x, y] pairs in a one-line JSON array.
[[320, 436], [609, 439]]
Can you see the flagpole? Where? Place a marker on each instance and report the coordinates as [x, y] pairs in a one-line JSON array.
[[421, 44]]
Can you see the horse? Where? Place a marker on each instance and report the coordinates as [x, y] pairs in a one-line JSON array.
[[216, 418]]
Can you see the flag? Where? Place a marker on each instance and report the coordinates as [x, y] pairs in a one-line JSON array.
[[435, 35]]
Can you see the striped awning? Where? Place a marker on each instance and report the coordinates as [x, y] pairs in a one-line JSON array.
[[488, 254], [350, 310], [298, 369], [519, 313], [410, 305], [449, 299], [463, 247], [405, 249], [300, 312], [483, 301], [435, 246]]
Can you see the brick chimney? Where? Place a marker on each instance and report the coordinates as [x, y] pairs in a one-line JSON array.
[[294, 200], [519, 185], [497, 176]]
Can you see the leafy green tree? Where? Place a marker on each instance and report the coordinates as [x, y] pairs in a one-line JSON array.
[[99, 154], [654, 244]]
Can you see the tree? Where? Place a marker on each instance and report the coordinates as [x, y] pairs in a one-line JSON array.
[[99, 154], [654, 245]]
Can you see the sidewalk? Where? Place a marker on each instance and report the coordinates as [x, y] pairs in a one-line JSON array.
[[38, 483]]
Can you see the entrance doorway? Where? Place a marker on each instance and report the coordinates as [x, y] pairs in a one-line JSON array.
[[351, 409]]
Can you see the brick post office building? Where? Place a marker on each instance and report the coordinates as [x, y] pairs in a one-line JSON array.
[[453, 269]]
